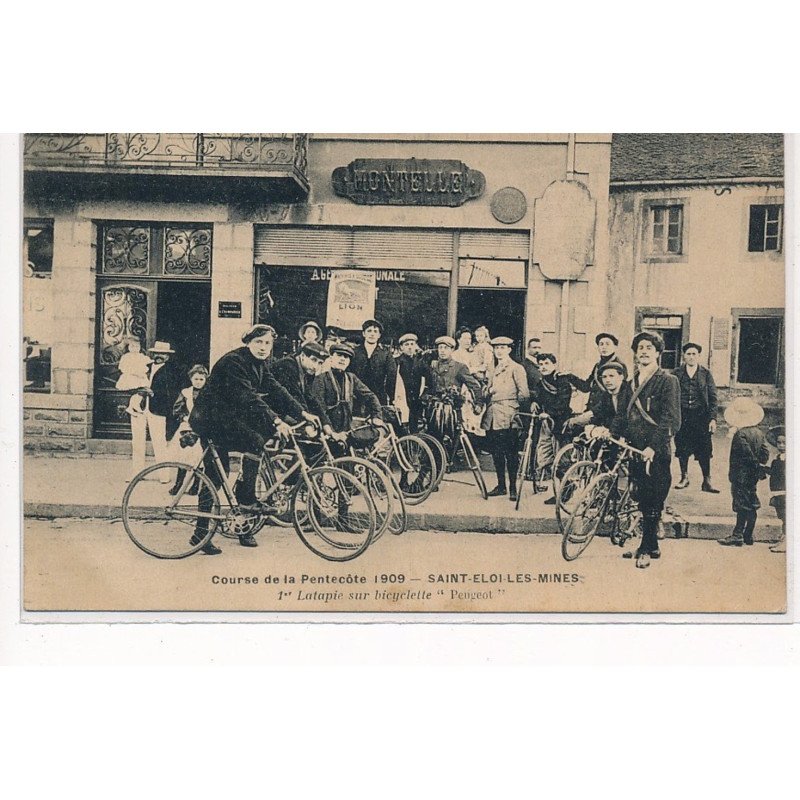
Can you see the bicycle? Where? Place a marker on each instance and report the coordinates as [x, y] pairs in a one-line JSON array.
[[579, 449], [527, 464], [607, 499], [444, 419], [408, 458], [390, 506], [331, 510]]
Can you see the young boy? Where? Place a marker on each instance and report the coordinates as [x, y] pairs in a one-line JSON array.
[[777, 483], [749, 454]]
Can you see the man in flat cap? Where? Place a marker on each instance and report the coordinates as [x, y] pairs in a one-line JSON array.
[[337, 392], [508, 394], [374, 364], [445, 373], [698, 415], [607, 345], [411, 371], [606, 406], [648, 421], [296, 374], [241, 407]]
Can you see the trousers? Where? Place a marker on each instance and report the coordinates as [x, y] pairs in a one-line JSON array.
[[157, 425], [652, 488], [505, 454]]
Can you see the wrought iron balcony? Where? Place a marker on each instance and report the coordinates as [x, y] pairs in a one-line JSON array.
[[203, 163]]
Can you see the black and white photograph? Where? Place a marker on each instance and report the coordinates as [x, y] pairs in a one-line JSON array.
[[472, 373]]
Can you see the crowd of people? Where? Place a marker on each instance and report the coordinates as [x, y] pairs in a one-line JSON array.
[[249, 395]]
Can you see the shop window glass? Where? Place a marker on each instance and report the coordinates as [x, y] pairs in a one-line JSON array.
[[491, 274], [37, 292], [759, 348], [766, 228]]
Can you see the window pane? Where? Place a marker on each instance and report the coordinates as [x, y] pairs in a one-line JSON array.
[[756, 237], [759, 343], [37, 294], [493, 274], [774, 213], [675, 215]]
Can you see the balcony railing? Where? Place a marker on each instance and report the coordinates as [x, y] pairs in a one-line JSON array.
[[282, 152]]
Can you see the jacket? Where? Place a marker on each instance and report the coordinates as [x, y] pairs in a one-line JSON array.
[[241, 390], [336, 393], [593, 384], [508, 393], [553, 396], [651, 417], [534, 376], [749, 452], [442, 376], [379, 373], [706, 387], [289, 374], [166, 384], [411, 370], [602, 407]]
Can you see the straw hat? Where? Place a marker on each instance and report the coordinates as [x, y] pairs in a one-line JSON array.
[[743, 412], [161, 347]]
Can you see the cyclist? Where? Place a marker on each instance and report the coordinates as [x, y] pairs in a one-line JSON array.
[[648, 421], [607, 345], [604, 406], [237, 410], [296, 374]]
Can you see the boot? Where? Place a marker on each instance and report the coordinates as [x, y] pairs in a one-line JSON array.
[[707, 487], [734, 540], [684, 481], [248, 540], [498, 491]]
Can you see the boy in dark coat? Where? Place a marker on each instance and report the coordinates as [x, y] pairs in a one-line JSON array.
[[374, 364], [777, 482], [607, 345], [749, 454]]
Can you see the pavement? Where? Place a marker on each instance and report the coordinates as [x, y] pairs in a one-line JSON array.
[[92, 487]]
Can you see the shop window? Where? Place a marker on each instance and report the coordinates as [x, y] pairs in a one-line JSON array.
[[37, 292], [666, 230], [759, 349], [491, 274], [766, 228]]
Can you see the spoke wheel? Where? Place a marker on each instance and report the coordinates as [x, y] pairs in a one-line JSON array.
[[524, 464], [571, 488], [162, 524], [439, 455], [333, 514], [474, 465], [568, 455], [589, 513], [413, 468]]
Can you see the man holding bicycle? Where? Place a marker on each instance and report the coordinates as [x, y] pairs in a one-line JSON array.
[[238, 410], [648, 421]]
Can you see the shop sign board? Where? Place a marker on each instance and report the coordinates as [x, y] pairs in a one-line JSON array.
[[351, 298], [229, 309], [408, 182]]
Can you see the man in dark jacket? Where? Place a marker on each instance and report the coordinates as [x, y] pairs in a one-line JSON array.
[[296, 374], [374, 364], [337, 393], [698, 415], [411, 371], [532, 365], [605, 407], [239, 409], [607, 345], [648, 421], [166, 382], [554, 393]]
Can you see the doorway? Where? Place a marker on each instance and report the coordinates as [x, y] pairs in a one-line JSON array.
[[502, 311], [177, 312]]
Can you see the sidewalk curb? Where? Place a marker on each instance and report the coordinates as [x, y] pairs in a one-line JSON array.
[[767, 530]]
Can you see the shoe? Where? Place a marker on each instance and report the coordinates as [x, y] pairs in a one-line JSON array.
[[655, 554], [498, 491], [513, 496], [248, 540], [210, 549], [749, 542], [731, 541], [683, 483], [194, 488], [778, 547], [258, 507], [551, 501], [707, 487], [642, 560]]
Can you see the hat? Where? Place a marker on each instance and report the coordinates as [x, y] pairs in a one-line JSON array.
[[615, 365], [743, 412], [606, 336], [197, 369], [547, 357], [774, 432], [653, 337], [689, 345], [259, 329], [161, 347], [448, 340], [309, 324], [368, 323], [407, 337], [332, 332], [343, 348], [502, 341], [314, 349]]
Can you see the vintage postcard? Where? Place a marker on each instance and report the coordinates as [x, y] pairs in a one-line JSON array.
[[404, 374]]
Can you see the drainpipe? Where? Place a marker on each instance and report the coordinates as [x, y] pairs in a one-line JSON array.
[[452, 296]]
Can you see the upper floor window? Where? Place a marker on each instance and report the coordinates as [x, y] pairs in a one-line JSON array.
[[666, 228], [766, 228]]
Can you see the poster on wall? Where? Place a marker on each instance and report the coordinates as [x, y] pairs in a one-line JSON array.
[[351, 298]]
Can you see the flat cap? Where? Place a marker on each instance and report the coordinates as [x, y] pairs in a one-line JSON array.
[[314, 349], [614, 365], [502, 340], [690, 345], [650, 336], [407, 337], [343, 349], [606, 336], [371, 323], [448, 340]]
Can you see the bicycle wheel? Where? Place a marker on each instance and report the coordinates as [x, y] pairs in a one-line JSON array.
[[523, 471], [568, 455], [439, 456], [474, 464], [333, 514], [589, 513], [162, 523], [390, 513], [413, 468], [575, 480], [281, 498]]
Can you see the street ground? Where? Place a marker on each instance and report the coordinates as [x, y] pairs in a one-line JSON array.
[[91, 565]]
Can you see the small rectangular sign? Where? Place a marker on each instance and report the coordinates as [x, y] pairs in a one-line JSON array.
[[229, 309]]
